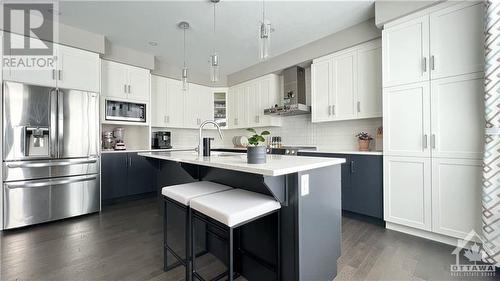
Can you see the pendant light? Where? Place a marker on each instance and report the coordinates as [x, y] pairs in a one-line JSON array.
[[264, 35], [214, 58], [184, 75]]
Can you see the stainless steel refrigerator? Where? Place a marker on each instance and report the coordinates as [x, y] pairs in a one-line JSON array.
[[50, 154]]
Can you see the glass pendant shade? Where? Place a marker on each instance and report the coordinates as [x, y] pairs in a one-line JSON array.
[[184, 79], [214, 68], [264, 40]]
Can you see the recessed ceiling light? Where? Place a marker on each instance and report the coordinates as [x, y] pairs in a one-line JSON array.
[[153, 43]]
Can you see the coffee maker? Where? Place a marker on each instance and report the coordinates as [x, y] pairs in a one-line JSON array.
[[161, 140]]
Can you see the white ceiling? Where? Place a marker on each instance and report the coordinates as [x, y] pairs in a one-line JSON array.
[[135, 23]]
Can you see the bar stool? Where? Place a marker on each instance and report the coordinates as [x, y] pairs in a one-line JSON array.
[[229, 210], [180, 197]]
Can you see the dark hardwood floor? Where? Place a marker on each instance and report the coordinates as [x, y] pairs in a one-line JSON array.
[[124, 243]]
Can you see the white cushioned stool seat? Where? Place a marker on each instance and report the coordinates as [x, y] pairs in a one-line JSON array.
[[184, 193], [234, 206]]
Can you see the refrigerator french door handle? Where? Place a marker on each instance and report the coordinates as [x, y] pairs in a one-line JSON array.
[[53, 123], [60, 123]]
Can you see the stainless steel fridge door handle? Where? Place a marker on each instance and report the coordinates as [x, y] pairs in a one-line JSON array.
[[42, 164], [60, 123], [53, 124], [31, 184]]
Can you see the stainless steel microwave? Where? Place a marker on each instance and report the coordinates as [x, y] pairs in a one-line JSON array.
[[125, 111]]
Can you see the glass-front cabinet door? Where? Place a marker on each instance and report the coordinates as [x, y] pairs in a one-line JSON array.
[[220, 108]]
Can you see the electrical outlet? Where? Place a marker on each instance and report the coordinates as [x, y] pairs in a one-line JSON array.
[[304, 185]]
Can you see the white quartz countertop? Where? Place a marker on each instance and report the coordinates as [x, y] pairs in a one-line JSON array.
[[319, 150], [147, 150], [276, 165]]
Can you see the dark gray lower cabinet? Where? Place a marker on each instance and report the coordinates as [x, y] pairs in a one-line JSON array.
[[126, 174], [362, 183]]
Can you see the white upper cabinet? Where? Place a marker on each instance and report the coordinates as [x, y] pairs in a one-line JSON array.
[[407, 120], [73, 69], [457, 116], [345, 86], [175, 104], [114, 79], [445, 43], [348, 84], [158, 101], [45, 76], [124, 81], [407, 191], [247, 102], [78, 69], [321, 91], [456, 40], [138, 83], [369, 80], [406, 52], [198, 105], [456, 196]]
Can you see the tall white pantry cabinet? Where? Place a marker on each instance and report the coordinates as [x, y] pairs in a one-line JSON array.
[[433, 112]]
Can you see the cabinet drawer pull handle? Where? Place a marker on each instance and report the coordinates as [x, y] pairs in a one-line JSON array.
[[53, 74], [424, 64], [433, 141], [124, 88], [59, 73], [129, 89], [359, 106], [168, 118], [333, 109], [432, 62], [425, 141], [329, 110], [352, 167]]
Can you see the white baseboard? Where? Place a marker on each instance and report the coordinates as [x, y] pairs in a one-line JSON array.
[[422, 233]]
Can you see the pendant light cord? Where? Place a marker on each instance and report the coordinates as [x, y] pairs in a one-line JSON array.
[[263, 11], [184, 47], [214, 28]]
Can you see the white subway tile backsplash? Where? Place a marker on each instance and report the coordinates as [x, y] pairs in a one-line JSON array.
[[295, 130]]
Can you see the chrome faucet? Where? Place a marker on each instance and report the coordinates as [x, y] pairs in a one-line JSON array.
[[200, 137]]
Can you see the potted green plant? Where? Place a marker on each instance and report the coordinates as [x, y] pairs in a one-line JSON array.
[[256, 152], [364, 141]]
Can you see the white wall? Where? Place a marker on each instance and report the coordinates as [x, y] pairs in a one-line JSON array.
[[388, 10], [343, 39]]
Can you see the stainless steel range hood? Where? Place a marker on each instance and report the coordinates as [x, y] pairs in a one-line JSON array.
[[294, 102]]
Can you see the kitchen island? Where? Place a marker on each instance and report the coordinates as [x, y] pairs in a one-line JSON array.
[[309, 190]]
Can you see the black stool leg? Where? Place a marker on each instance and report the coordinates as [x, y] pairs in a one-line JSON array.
[[192, 269], [278, 254], [189, 244], [165, 251], [231, 258]]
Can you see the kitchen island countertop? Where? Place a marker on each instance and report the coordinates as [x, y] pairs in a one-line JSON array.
[[276, 165]]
